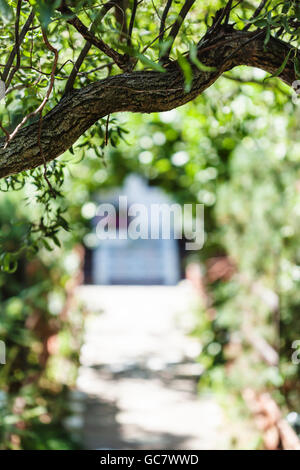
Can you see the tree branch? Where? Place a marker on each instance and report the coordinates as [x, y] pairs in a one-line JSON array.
[[17, 44], [163, 20], [39, 110], [132, 18], [120, 60], [256, 13], [13, 53], [141, 91], [84, 52], [79, 61], [176, 26]]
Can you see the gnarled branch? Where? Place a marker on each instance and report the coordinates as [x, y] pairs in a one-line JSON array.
[[143, 92]]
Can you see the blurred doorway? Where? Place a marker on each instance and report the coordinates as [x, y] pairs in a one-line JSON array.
[[135, 262]]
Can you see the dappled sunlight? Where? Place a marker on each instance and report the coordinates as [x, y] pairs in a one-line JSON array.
[[139, 371], [149, 226]]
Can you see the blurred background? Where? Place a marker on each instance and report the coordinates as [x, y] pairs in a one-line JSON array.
[[143, 345]]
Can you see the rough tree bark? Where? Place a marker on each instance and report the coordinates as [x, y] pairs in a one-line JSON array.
[[142, 92]]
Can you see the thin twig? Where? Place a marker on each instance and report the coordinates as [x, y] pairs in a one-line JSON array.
[[228, 9], [176, 26], [106, 130], [23, 33], [155, 9], [71, 80], [163, 20], [80, 59], [43, 155], [5, 131], [101, 67], [155, 39], [132, 18], [21, 86], [55, 52], [256, 13], [17, 44], [121, 61], [45, 100], [224, 13]]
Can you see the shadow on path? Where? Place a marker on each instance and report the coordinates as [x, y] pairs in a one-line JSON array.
[[139, 372]]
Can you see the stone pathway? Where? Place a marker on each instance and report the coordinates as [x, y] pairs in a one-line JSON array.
[[139, 372]]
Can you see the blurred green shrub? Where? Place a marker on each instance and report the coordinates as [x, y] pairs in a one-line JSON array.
[[42, 330]]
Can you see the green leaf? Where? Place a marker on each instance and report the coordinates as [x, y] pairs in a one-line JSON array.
[[6, 11], [63, 223], [149, 63], [282, 67], [187, 72], [46, 245], [46, 9], [56, 241], [8, 263], [297, 67], [196, 61], [268, 35]]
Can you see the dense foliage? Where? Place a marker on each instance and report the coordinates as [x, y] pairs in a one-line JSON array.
[[235, 149], [241, 160], [43, 57], [41, 326]]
